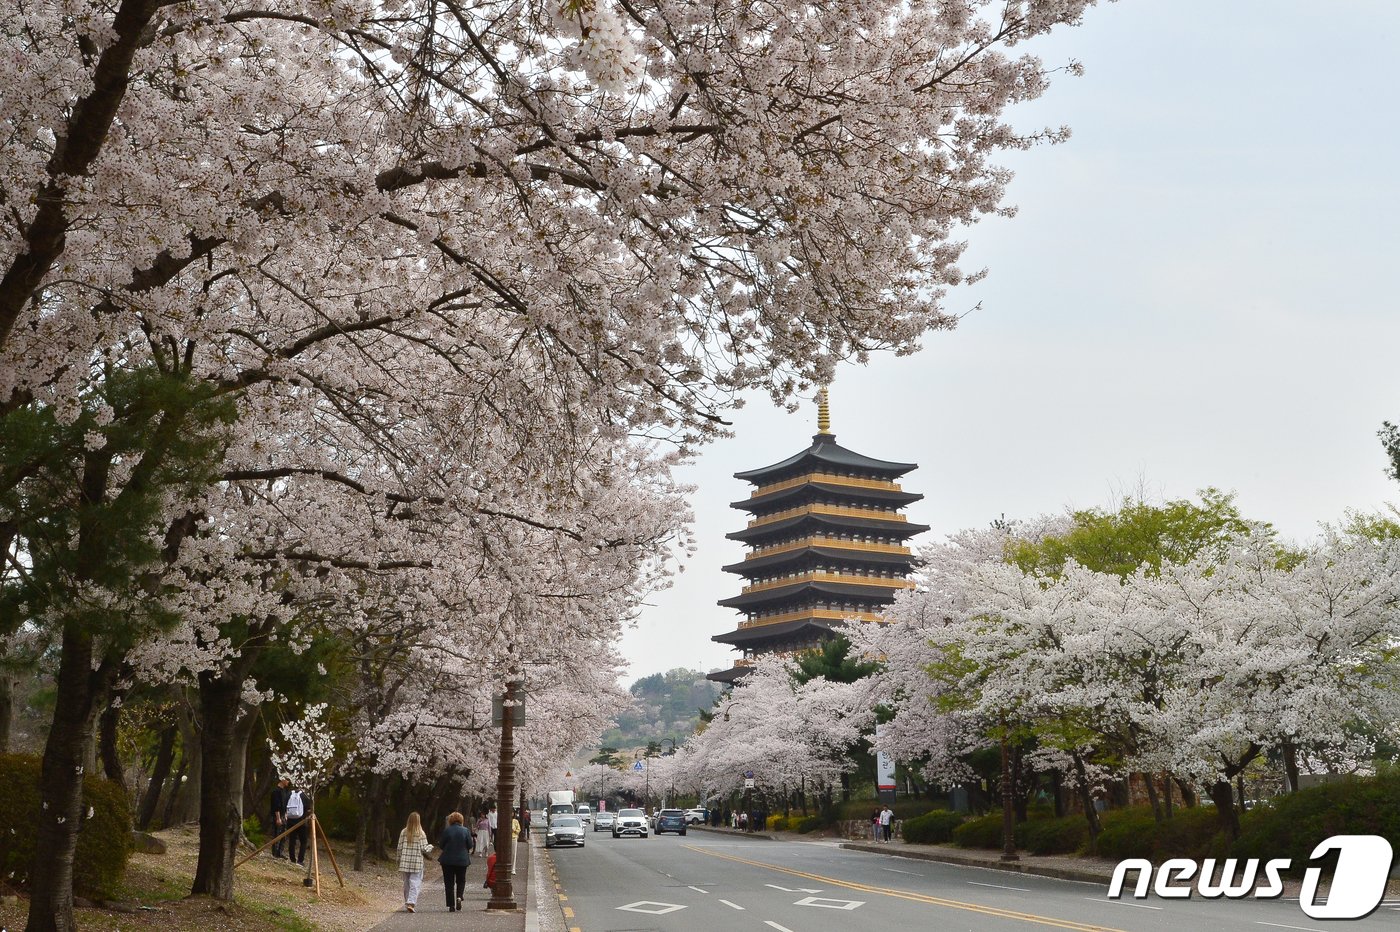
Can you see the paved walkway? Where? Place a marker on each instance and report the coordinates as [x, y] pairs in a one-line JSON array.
[[432, 914]]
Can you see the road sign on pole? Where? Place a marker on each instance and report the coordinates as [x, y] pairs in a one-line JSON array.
[[638, 767]]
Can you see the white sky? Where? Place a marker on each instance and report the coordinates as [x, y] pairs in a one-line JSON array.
[[1199, 289]]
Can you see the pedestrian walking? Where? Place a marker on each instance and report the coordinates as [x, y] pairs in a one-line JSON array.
[[875, 825], [886, 822], [279, 815], [413, 845], [455, 856], [514, 843], [493, 820], [483, 834], [296, 821]]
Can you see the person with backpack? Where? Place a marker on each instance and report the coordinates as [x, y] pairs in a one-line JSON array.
[[296, 818]]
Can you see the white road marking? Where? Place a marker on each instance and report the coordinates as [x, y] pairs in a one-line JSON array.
[[826, 902], [700, 890], [1097, 899], [790, 890], [732, 905], [640, 907], [1279, 925], [999, 886], [770, 922], [894, 870]]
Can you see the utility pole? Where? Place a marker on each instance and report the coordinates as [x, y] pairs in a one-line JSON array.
[[503, 895]]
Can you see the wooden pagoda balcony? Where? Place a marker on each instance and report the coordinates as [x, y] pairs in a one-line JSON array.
[[840, 511], [886, 582], [828, 478], [814, 614], [817, 540]]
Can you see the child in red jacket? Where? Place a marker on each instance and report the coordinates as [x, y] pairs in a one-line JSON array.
[[491, 872]]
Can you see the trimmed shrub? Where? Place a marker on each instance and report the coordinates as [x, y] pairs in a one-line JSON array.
[[931, 828], [981, 832], [104, 840], [1050, 835], [1134, 833], [809, 824], [777, 823], [1295, 823]]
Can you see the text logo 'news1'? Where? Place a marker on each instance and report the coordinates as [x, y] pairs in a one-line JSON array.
[[1358, 885]]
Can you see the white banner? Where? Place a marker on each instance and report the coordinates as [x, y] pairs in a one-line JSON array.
[[884, 765]]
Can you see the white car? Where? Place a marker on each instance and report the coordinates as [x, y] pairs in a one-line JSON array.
[[585, 815], [697, 816], [630, 822]]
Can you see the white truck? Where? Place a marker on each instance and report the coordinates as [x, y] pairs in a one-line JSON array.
[[561, 801]]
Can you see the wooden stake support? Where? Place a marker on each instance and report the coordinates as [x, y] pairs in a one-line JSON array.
[[318, 835]]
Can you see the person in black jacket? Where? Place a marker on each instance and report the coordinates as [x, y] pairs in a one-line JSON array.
[[279, 814], [454, 854]]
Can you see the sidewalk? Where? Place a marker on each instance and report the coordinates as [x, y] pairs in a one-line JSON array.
[[1064, 867], [432, 914]]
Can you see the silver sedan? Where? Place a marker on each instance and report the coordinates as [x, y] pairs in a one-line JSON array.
[[564, 830]]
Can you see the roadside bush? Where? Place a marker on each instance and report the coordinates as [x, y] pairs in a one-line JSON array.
[[1294, 824], [981, 832], [253, 831], [859, 810], [1050, 835], [777, 823], [104, 841], [809, 824], [1134, 833], [931, 828], [339, 814]]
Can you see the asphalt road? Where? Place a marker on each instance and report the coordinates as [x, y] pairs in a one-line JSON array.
[[708, 882]]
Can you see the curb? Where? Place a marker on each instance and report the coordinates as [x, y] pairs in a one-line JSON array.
[[732, 832], [1014, 867]]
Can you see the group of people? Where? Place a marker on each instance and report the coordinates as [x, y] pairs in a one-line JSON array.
[[455, 847], [290, 808], [882, 824]]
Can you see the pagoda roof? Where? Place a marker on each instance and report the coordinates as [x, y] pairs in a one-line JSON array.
[[731, 676], [842, 554], [749, 599], [755, 634], [825, 451], [893, 528], [886, 496]]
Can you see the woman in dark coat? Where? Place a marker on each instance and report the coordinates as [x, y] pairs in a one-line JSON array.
[[455, 857]]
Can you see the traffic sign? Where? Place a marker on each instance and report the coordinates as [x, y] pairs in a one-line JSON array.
[[638, 767]]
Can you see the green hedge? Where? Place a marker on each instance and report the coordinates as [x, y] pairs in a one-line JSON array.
[[104, 840], [905, 807], [1295, 823], [1064, 835], [981, 832], [809, 824], [931, 828], [1134, 833]]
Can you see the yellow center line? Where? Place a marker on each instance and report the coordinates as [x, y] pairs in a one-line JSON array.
[[916, 897]]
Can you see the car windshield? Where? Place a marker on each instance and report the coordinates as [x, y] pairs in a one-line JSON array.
[[566, 822], [630, 812]]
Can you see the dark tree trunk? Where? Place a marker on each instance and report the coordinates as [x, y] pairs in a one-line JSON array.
[[79, 690], [1152, 798], [186, 803], [1057, 786], [1290, 765], [1188, 795], [1239, 785], [7, 710], [362, 819], [107, 745], [1167, 794], [223, 747], [165, 756], [1086, 798], [1223, 795]]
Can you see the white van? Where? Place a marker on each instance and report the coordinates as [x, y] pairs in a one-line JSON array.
[[585, 814]]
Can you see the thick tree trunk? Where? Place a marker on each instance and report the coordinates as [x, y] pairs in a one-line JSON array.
[[362, 819], [1167, 794], [177, 787], [165, 756], [187, 801], [1290, 766], [78, 690], [1086, 798], [1188, 795], [221, 785], [1152, 798], [107, 745], [1223, 795], [7, 710]]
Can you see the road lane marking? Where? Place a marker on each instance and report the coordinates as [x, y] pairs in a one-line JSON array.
[[791, 890], [1279, 925], [568, 913], [917, 897], [700, 890], [770, 922], [826, 902], [732, 905], [644, 906], [999, 886], [1095, 899], [895, 870]]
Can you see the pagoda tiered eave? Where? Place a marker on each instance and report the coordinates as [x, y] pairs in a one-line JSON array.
[[795, 555], [820, 488], [815, 522]]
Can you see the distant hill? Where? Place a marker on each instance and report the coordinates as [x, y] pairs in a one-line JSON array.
[[664, 705]]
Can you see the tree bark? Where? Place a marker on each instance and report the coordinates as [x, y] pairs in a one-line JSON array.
[[1223, 795], [187, 800], [1152, 797], [79, 688], [1086, 798], [107, 745], [1290, 765], [1167, 794], [7, 710], [165, 756], [223, 747]]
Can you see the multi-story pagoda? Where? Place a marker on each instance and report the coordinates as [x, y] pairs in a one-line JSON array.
[[827, 543]]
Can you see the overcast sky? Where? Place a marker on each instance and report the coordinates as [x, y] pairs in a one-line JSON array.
[[1199, 289]]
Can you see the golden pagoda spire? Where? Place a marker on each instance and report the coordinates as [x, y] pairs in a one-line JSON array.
[[823, 412]]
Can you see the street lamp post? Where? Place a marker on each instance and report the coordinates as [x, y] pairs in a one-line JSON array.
[[503, 894]]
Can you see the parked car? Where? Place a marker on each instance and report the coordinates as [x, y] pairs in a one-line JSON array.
[[604, 820], [564, 830], [671, 820], [697, 816], [630, 822]]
